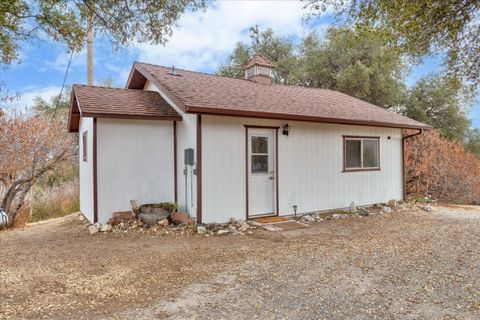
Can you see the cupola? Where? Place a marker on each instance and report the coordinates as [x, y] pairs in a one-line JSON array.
[[259, 69]]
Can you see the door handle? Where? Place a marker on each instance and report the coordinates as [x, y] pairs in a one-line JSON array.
[[271, 177]]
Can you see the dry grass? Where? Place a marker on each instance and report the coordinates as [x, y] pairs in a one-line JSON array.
[[55, 202]]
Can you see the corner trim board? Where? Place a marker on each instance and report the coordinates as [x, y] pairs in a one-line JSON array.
[[199, 169], [175, 170], [95, 180]]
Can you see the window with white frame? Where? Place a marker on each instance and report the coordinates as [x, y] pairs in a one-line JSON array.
[[361, 153]]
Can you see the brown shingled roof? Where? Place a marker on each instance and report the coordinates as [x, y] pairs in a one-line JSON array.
[[259, 60], [101, 102], [197, 92]]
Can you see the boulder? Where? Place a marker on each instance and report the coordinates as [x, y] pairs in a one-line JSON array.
[[201, 230], [92, 229], [387, 210], [222, 232], [106, 227], [308, 218], [392, 204], [181, 217], [337, 216], [363, 212], [352, 207]]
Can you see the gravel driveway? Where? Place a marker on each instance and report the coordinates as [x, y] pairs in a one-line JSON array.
[[408, 265]]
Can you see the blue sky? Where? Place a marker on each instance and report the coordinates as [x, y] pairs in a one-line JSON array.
[[202, 42]]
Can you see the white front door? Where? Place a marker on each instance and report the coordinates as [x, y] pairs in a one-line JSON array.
[[261, 171]]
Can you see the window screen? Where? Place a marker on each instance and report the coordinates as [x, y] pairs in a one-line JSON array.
[[361, 153]]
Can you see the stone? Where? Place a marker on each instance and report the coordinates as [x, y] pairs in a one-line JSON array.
[[352, 207], [145, 226], [163, 222], [106, 227], [401, 207], [308, 218], [222, 232], [201, 230], [233, 220], [337, 216], [98, 225], [363, 212], [392, 204], [249, 232], [254, 223], [427, 208], [387, 209], [92, 229], [181, 217]]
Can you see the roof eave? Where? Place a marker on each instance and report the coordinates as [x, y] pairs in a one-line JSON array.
[[296, 117]]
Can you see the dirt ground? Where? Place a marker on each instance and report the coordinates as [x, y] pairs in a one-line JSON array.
[[408, 265]]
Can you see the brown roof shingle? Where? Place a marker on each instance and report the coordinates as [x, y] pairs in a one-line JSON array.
[[204, 93], [96, 101], [259, 60]]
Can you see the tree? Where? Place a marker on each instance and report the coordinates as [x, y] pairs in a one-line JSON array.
[[68, 21], [472, 141], [420, 27], [30, 146], [356, 62], [439, 102]]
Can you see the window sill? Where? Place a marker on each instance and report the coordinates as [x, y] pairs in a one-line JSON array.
[[360, 170]]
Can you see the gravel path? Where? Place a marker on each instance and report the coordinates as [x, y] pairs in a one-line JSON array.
[[408, 265]]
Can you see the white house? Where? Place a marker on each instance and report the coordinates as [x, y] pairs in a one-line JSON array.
[[223, 147]]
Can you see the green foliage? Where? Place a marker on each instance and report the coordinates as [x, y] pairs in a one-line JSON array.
[[472, 141], [67, 21], [420, 27], [354, 61], [437, 101]]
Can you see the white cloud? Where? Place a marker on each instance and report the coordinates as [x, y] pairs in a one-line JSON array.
[[205, 38], [28, 95]]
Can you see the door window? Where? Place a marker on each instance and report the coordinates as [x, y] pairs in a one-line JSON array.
[[259, 154]]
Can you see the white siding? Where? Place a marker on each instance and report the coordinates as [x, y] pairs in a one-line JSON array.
[[134, 161], [186, 138], [310, 167], [86, 169]]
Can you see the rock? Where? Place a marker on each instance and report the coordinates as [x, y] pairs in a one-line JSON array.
[[98, 225], [222, 232], [427, 208], [387, 210], [81, 217], [401, 207], [352, 207], [254, 223], [392, 204], [249, 232], [363, 212], [337, 216], [308, 218], [145, 226], [163, 222], [92, 229], [233, 220], [201, 230], [106, 227], [181, 217]]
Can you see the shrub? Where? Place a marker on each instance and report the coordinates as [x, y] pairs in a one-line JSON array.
[[442, 168]]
